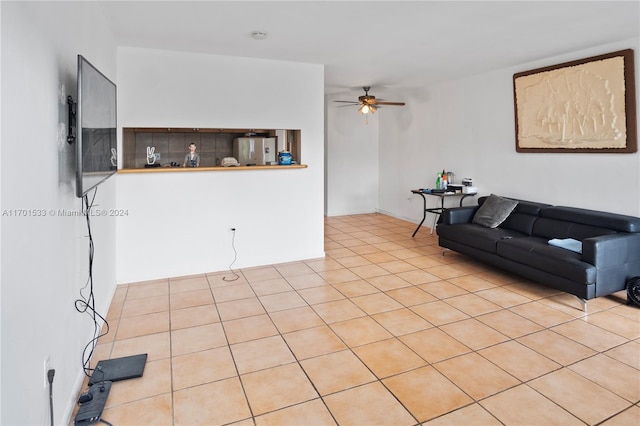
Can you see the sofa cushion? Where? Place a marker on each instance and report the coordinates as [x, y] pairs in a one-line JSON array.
[[537, 253], [475, 236], [494, 211]]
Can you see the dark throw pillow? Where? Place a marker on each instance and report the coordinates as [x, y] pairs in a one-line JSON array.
[[494, 211]]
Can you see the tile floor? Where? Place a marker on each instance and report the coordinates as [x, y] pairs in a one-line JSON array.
[[383, 331]]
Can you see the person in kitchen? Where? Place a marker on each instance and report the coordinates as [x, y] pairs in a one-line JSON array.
[[192, 159]]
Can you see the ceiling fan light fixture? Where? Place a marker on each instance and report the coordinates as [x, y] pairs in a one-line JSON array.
[[364, 109]]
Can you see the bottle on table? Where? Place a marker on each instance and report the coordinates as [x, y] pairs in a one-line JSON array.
[[444, 182], [439, 180]]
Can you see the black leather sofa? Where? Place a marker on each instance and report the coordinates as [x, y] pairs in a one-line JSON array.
[[610, 245]]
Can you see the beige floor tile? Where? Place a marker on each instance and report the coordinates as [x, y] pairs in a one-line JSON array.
[[339, 310], [443, 289], [404, 254], [614, 376], [202, 404], [532, 290], [336, 253], [376, 303], [410, 296], [178, 285], [365, 249], [145, 290], [337, 276], [426, 393], [509, 324], [473, 305], [498, 276], [282, 301], [355, 288], [369, 404], [418, 276], [522, 405], [627, 311], [141, 325], [232, 292], [541, 314], [401, 321], [250, 328], [278, 387], [589, 335], [156, 346], [336, 371], [311, 413], [627, 354], [518, 360], [396, 266], [321, 265], [503, 297], [425, 262], [261, 273], [556, 347], [369, 271], [300, 282], [620, 325], [388, 357], [190, 317], [628, 417], [446, 271], [156, 410], [312, 342], [471, 283], [439, 313], [293, 269], [471, 415], [149, 305], [188, 299], [473, 333], [194, 339], [388, 282], [581, 397], [226, 279], [353, 261], [476, 376], [296, 319], [202, 367], [240, 308], [434, 345], [260, 354], [360, 331], [156, 380], [322, 294], [379, 257], [276, 285]]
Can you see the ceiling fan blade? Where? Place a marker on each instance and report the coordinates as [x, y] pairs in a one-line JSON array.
[[390, 103], [349, 102]]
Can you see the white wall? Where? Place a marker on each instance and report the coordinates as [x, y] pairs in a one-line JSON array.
[[45, 258], [178, 223], [352, 146], [467, 126]]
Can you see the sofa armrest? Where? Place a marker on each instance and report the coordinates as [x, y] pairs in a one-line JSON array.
[[610, 250], [455, 215]]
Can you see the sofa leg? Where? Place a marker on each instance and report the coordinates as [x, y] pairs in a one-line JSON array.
[[583, 302]]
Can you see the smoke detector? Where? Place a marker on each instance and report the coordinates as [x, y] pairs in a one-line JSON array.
[[258, 35]]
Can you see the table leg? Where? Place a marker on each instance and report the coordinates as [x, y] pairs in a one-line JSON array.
[[435, 214], [424, 214]]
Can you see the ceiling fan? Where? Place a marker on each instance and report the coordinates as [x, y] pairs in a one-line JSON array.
[[368, 103]]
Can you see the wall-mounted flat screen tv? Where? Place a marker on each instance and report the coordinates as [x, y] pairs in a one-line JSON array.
[[96, 155]]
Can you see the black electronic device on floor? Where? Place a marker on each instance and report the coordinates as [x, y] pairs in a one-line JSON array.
[[90, 411], [128, 367]]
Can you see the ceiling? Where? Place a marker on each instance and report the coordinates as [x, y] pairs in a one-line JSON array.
[[383, 44]]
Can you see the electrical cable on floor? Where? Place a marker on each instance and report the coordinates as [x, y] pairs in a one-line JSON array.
[[235, 257], [86, 304]]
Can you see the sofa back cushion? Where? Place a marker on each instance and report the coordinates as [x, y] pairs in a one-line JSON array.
[[523, 216], [613, 221], [554, 228]]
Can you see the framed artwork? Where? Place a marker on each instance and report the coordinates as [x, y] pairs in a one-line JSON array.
[[583, 106]]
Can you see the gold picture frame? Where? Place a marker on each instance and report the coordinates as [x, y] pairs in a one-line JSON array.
[[583, 106]]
